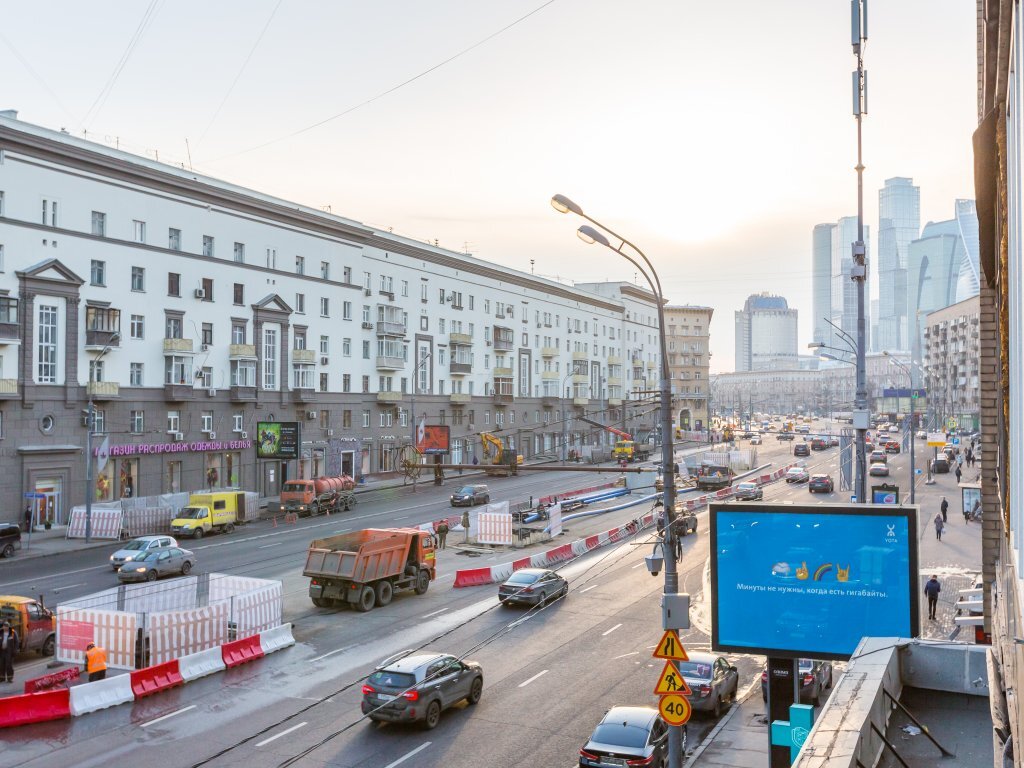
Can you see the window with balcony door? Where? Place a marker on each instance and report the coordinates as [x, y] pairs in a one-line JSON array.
[[46, 346], [270, 358]]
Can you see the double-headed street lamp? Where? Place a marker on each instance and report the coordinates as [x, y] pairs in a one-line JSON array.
[[412, 405], [591, 235], [910, 378], [90, 423]]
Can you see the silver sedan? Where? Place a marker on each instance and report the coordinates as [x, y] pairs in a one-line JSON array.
[[150, 566]]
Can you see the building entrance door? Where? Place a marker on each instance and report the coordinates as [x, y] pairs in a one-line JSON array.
[[51, 506]]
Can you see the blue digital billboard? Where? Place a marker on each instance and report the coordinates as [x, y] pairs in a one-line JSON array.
[[810, 582]]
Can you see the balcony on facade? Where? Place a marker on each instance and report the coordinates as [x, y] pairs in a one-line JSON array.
[[9, 321], [102, 328], [242, 394], [390, 328], [303, 394], [459, 367], [459, 398], [178, 346], [102, 390], [305, 356], [614, 402], [176, 393], [614, 360], [504, 338], [581, 401], [460, 339], [390, 362], [549, 351], [8, 389], [502, 392], [387, 396], [549, 401], [242, 352]]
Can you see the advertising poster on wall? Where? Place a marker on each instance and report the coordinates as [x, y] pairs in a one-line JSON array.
[[885, 494], [432, 439], [810, 582], [277, 440]]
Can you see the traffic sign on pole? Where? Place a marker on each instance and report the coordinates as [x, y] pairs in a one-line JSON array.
[[671, 681], [675, 709], [951, 423], [670, 647]]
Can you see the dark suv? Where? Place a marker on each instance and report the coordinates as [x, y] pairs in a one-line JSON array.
[[471, 495], [417, 688], [10, 539], [801, 449]]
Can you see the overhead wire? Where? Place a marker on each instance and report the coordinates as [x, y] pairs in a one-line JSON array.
[[35, 75]]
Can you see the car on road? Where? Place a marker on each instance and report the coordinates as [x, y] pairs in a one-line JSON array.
[[922, 434], [823, 483], [878, 469], [833, 441], [471, 495], [940, 465], [755, 440], [10, 539], [151, 565], [747, 435], [749, 491], [785, 436], [797, 475], [633, 736], [815, 678], [712, 681], [879, 456], [418, 688], [892, 446], [533, 586], [801, 449], [137, 547], [819, 444]]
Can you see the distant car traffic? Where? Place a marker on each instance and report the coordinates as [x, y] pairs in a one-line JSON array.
[[785, 436], [471, 495], [879, 456], [532, 586], [151, 565], [749, 491], [815, 678], [822, 483], [833, 441], [417, 688], [136, 547], [801, 449], [878, 469], [892, 446], [940, 465], [712, 681], [755, 440], [797, 475], [922, 434], [819, 444], [633, 736]]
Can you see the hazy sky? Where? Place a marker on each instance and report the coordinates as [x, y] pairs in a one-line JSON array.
[[715, 135]]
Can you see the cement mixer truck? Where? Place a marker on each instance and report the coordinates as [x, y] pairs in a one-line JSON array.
[[318, 495]]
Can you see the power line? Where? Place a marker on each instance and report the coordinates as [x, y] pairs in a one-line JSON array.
[[25, 63]]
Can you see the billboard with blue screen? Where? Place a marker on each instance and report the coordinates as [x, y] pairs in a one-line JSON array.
[[810, 582]]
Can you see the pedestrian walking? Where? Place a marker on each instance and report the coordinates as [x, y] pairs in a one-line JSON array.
[[9, 645], [932, 588], [938, 526], [95, 662], [970, 457], [28, 518], [958, 474], [442, 532], [945, 508]]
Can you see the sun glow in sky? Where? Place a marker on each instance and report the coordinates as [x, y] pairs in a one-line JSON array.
[[714, 135]]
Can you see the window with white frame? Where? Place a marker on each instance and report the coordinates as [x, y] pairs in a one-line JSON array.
[[271, 258], [46, 346], [325, 306], [207, 419], [300, 265], [138, 278], [138, 326], [137, 421], [366, 419], [270, 358], [367, 280], [135, 374], [346, 347], [207, 245], [237, 421], [346, 310], [239, 253], [174, 421], [405, 287], [325, 345], [174, 239], [98, 272], [99, 223], [176, 368], [243, 373], [138, 231], [325, 270], [300, 303]]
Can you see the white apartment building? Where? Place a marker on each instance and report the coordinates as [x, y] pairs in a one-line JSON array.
[[190, 309]]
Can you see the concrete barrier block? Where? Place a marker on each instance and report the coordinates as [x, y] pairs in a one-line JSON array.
[[277, 638], [197, 665], [500, 573], [109, 692]]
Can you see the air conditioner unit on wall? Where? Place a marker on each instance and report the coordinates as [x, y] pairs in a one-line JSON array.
[[177, 437], [212, 392], [330, 433], [310, 415], [213, 435], [324, 361], [245, 435], [367, 292], [200, 293]]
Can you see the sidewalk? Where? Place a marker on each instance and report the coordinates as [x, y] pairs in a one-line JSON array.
[[740, 740]]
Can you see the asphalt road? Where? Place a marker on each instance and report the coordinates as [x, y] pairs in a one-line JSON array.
[[549, 674]]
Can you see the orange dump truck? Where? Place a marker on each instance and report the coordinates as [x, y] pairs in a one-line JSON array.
[[365, 568], [320, 494]]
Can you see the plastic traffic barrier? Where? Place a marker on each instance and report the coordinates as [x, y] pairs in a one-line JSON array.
[[52, 680], [277, 638], [240, 651], [197, 665], [157, 678], [34, 708], [472, 577], [559, 554], [101, 694]]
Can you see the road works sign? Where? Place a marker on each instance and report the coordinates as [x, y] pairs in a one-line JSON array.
[[675, 709], [670, 647], [671, 681], [936, 439]]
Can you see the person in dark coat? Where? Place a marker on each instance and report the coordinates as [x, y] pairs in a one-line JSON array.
[[9, 646], [442, 533], [932, 589], [938, 526], [945, 508], [958, 474]]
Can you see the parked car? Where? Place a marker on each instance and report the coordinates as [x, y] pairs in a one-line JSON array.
[[785, 436], [821, 483], [712, 681], [940, 465], [878, 469], [815, 678], [878, 456], [801, 449], [10, 539], [892, 446], [418, 688], [151, 565], [628, 736], [749, 492], [137, 547], [471, 495], [755, 440], [797, 475], [532, 586]]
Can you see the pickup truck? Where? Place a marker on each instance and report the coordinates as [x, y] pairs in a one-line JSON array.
[[365, 568], [34, 623]]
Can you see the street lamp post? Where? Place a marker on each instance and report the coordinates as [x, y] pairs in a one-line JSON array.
[[412, 405], [591, 235], [565, 418], [910, 377], [90, 422]]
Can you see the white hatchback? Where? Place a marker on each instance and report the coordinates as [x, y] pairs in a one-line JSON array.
[[136, 547]]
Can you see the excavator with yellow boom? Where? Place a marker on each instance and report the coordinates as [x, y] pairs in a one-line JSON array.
[[499, 460]]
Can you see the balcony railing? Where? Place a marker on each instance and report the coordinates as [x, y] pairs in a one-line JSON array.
[[462, 339], [242, 352], [549, 401], [242, 394], [459, 398], [581, 401], [459, 368], [102, 390], [304, 356], [95, 339], [390, 362], [386, 328], [503, 372], [549, 351], [8, 388], [176, 393], [172, 346], [503, 344], [386, 396], [579, 356], [614, 360]]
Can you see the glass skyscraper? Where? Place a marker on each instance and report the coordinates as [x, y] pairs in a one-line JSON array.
[[899, 223]]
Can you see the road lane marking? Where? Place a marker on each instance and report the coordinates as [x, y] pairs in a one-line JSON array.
[[631, 653], [636, 566], [434, 613], [172, 714], [609, 631], [405, 757], [279, 735], [587, 589], [275, 544], [329, 653], [527, 682], [68, 586]]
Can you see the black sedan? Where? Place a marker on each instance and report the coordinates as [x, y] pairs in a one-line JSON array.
[[533, 586], [628, 736], [471, 495], [821, 483]]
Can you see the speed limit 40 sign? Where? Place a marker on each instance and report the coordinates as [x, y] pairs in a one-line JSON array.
[[675, 709]]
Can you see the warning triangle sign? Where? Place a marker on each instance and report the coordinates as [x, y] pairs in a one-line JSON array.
[[671, 682], [670, 647]]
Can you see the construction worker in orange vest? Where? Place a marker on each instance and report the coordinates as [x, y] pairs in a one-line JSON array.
[[95, 662]]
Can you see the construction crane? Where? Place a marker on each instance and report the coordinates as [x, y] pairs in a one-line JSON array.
[[613, 430]]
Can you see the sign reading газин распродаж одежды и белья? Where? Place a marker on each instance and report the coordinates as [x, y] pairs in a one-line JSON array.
[[810, 582]]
